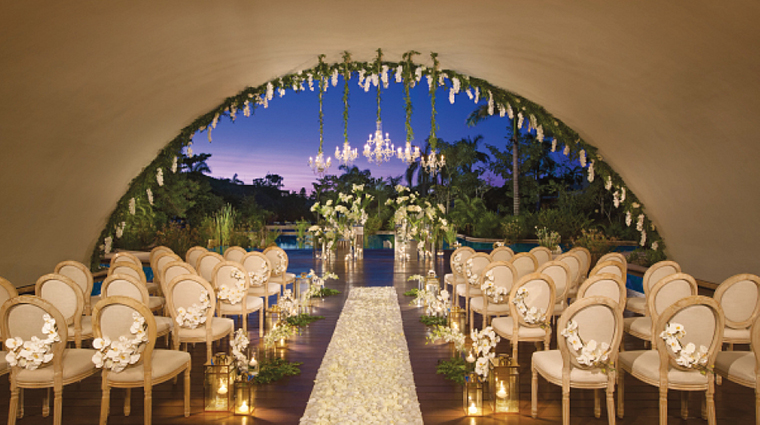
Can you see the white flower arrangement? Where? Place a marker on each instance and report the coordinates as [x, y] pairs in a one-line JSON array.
[[117, 355], [195, 315], [471, 276], [258, 279], [149, 193], [33, 353], [132, 206], [496, 293], [530, 315], [281, 330], [281, 264], [174, 161], [688, 356], [317, 283], [548, 238], [449, 335], [238, 345], [107, 243], [483, 350], [590, 353], [287, 304], [160, 175], [236, 294]]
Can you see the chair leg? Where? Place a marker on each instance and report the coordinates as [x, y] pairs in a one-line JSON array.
[[534, 393], [244, 318], [610, 404], [710, 400], [105, 401], [58, 406], [621, 391], [757, 406], [663, 406], [597, 403], [187, 390], [472, 319], [20, 403], [46, 403], [148, 408], [13, 404], [128, 402], [514, 341], [704, 407], [261, 322], [565, 406], [684, 405]]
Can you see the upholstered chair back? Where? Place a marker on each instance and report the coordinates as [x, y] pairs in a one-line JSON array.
[[502, 253], [525, 263]]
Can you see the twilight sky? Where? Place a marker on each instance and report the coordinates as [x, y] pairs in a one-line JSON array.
[[281, 138]]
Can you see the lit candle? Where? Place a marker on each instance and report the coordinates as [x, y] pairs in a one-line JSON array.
[[253, 362], [222, 389], [470, 358], [472, 410], [243, 408], [502, 393]]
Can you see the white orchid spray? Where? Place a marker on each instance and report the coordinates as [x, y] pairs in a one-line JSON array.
[[160, 176], [238, 347], [132, 206], [280, 331], [688, 356], [195, 315], [495, 293], [107, 244], [259, 278], [590, 353], [591, 171], [530, 315], [36, 352], [149, 193], [234, 295], [174, 161], [317, 283], [483, 350], [120, 229], [628, 218], [448, 334], [117, 355]]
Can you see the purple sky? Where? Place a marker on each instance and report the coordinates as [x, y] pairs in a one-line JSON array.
[[281, 138]]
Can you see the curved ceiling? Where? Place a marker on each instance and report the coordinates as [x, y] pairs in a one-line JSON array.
[[668, 92]]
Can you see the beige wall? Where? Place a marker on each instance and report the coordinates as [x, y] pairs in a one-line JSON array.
[[669, 92]]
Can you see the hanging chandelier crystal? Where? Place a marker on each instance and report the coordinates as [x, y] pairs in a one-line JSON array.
[[433, 163], [409, 155], [319, 165], [383, 148], [347, 155]]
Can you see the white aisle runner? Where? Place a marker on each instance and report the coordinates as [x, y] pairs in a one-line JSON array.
[[366, 376]]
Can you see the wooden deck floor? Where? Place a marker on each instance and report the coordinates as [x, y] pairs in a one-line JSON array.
[[284, 402]]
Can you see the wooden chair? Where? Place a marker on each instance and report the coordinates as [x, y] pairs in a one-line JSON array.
[[125, 257], [473, 268], [66, 296], [206, 263], [192, 254], [184, 292], [585, 256], [279, 261], [234, 253], [614, 256], [154, 253], [156, 303], [7, 291], [599, 319], [560, 274], [739, 297], [157, 264], [456, 277], [605, 285], [743, 367], [573, 261], [665, 293], [654, 274], [610, 267], [501, 274], [702, 319], [112, 318], [502, 253], [23, 317], [174, 269], [223, 278], [515, 328], [80, 274], [132, 269], [543, 254], [525, 263], [119, 285], [258, 263]]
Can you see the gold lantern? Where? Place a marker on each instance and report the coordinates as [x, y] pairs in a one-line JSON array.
[[506, 385], [244, 395], [431, 283], [458, 320], [474, 396], [271, 319], [219, 377]]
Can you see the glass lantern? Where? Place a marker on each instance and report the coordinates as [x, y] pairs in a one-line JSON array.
[[474, 395], [244, 395], [458, 320], [506, 385], [272, 317], [219, 377], [431, 283]]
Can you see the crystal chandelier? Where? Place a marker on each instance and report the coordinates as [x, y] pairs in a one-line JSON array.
[[383, 148], [433, 163], [319, 165], [347, 155], [409, 155]]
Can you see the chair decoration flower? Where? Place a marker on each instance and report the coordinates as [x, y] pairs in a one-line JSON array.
[[531, 315], [458, 263], [236, 294], [117, 355], [591, 353], [195, 315], [688, 356], [257, 279], [496, 294], [238, 345], [317, 283], [33, 353], [471, 276], [449, 335], [281, 264], [483, 350]]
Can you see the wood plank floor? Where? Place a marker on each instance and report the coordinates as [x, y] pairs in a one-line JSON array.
[[284, 402]]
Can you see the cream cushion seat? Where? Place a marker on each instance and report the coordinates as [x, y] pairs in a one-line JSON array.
[[462, 290], [164, 363], [253, 302], [220, 327], [476, 304], [637, 305], [640, 327], [738, 366], [503, 326], [154, 303], [549, 364], [77, 362], [736, 334], [645, 365], [272, 289], [164, 325], [86, 323]]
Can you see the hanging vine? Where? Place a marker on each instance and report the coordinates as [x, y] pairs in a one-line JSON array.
[[408, 79], [346, 78], [433, 86]]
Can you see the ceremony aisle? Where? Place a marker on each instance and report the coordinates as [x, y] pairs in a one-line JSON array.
[[366, 376]]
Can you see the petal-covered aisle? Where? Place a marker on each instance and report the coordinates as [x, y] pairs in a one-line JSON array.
[[366, 376]]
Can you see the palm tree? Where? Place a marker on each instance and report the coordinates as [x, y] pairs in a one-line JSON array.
[[196, 164]]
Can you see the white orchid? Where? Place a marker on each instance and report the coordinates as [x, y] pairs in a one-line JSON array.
[[530, 315], [195, 315], [33, 353]]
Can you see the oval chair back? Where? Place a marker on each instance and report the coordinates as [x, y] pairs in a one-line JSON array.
[[126, 257], [66, 296], [7, 291], [739, 297], [113, 317], [585, 256], [80, 274], [605, 285], [154, 253], [159, 264], [598, 318], [174, 269], [574, 263], [128, 269], [119, 285], [502, 274], [667, 292], [543, 254], [278, 260], [609, 267], [458, 259], [257, 263], [234, 253], [206, 263], [560, 274], [525, 263], [192, 254], [474, 266], [541, 294], [659, 271], [186, 292], [614, 256], [502, 253]]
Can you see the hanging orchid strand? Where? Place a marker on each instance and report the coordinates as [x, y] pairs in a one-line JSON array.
[[379, 69], [433, 87], [346, 77]]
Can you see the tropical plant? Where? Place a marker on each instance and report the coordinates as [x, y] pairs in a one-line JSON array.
[[224, 224], [596, 242], [514, 229], [178, 237]]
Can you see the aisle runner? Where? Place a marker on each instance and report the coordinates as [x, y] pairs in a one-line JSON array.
[[366, 376]]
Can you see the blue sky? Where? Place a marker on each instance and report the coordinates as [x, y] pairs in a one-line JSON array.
[[281, 138]]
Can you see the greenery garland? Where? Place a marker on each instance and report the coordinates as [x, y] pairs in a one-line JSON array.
[[433, 78], [252, 97], [411, 293], [433, 320], [302, 319], [346, 78], [326, 292], [378, 71], [321, 113], [454, 369], [271, 370]]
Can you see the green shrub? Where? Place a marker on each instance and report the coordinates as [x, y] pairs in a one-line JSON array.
[[514, 229], [567, 222], [647, 257], [487, 225], [596, 242], [178, 238]]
